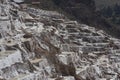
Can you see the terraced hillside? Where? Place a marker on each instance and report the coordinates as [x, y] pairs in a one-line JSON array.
[[84, 11], [37, 44]]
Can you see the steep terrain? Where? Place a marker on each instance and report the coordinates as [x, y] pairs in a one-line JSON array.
[[84, 11], [37, 44]]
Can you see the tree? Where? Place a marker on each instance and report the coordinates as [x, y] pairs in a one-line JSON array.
[[117, 10], [107, 12]]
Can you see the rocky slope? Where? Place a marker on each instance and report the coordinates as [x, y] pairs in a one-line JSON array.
[[36, 44], [83, 11]]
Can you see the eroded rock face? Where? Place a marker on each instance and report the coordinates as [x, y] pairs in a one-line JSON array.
[[44, 45]]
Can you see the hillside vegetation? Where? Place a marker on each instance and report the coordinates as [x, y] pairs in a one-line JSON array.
[[84, 11], [105, 3]]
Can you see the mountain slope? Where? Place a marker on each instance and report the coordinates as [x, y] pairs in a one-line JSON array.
[[105, 3], [37, 44], [84, 11]]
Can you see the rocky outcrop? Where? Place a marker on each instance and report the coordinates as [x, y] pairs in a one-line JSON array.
[[45, 45], [84, 12]]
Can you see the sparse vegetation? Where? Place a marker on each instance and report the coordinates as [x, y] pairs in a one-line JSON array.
[[84, 11]]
